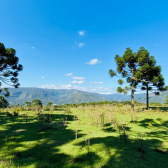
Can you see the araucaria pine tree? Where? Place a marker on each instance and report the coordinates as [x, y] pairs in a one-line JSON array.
[[127, 68], [149, 74], [138, 68]]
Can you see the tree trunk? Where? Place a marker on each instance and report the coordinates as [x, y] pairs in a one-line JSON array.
[[132, 92], [132, 97], [147, 99]]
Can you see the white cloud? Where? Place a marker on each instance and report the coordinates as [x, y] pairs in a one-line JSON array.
[[33, 47], [76, 42], [26, 44], [79, 82], [81, 45], [100, 90], [68, 74], [81, 33], [42, 77], [78, 78], [95, 83], [93, 61]]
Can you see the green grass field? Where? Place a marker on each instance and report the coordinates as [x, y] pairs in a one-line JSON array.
[[118, 138]]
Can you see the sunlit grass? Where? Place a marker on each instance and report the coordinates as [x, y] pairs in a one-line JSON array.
[[38, 145]]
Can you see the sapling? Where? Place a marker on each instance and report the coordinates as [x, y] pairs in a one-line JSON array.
[[6, 139], [65, 122], [141, 145], [125, 135], [88, 144], [76, 133]]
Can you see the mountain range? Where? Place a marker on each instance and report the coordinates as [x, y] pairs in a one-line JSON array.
[[63, 96]]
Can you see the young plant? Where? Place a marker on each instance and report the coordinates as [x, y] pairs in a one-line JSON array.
[[88, 144], [76, 137]]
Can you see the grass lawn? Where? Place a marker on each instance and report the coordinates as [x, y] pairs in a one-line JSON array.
[[90, 137]]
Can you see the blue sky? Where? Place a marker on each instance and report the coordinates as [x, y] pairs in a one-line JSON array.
[[70, 44]]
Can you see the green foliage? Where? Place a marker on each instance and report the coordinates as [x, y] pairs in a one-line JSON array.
[[9, 68], [3, 102], [27, 104], [166, 100], [126, 67], [37, 102], [154, 104], [8, 114], [148, 73], [49, 104], [16, 111]]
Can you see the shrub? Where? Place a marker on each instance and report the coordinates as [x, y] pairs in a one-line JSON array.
[[8, 114], [16, 111]]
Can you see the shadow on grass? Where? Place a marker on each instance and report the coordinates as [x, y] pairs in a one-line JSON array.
[[42, 148]]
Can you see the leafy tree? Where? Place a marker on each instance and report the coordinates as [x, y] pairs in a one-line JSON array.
[[49, 104], [27, 104], [9, 68], [37, 102], [149, 74], [127, 68], [3, 102]]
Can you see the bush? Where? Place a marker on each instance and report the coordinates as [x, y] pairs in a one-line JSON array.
[[8, 114], [16, 111]]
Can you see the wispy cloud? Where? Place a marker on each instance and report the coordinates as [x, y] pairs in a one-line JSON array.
[[64, 87], [79, 82], [156, 45], [78, 78], [68, 74], [95, 83], [81, 45], [75, 41], [25, 43], [81, 33], [33, 47], [42, 77], [100, 90], [93, 61]]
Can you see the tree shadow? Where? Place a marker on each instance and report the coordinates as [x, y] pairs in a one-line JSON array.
[[42, 148]]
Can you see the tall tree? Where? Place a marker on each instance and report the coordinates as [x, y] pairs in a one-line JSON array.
[[9, 68], [127, 68], [149, 74]]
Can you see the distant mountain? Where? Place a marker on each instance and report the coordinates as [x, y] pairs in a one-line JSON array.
[[155, 98], [63, 96], [121, 97]]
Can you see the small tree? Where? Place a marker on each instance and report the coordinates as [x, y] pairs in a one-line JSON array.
[[37, 102], [49, 104], [27, 104], [77, 99]]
